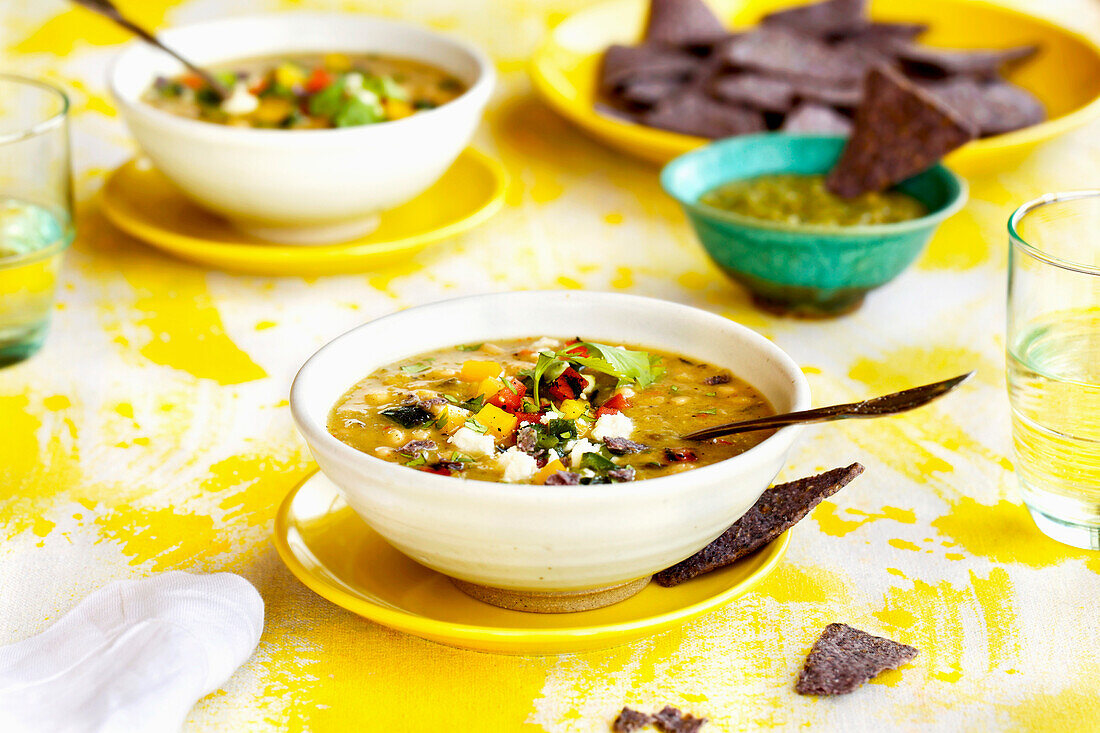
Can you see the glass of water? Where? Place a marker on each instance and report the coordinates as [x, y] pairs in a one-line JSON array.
[[36, 223], [1053, 357]]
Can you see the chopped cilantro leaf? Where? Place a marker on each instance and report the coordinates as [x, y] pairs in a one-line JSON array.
[[418, 461], [476, 426], [469, 347], [475, 404], [711, 411], [417, 368]]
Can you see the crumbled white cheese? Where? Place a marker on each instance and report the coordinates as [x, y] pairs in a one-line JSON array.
[[579, 448], [239, 101], [627, 392], [548, 416], [517, 465], [613, 425], [353, 85], [473, 443], [546, 343]]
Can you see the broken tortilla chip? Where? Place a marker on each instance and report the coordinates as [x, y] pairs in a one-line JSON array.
[[778, 509], [843, 658], [900, 131]]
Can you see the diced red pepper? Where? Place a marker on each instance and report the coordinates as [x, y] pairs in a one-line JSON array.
[[576, 350], [192, 81], [525, 417], [318, 80], [606, 411], [679, 455], [438, 471], [261, 86], [567, 386], [617, 402], [509, 399]]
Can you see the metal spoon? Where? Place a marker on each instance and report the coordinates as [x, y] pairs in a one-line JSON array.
[[890, 404], [107, 9]]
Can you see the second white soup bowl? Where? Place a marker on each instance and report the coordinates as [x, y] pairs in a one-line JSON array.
[[303, 186], [533, 538]]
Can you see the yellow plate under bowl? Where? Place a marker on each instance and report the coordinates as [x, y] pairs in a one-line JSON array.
[[1064, 75], [330, 549], [140, 201]]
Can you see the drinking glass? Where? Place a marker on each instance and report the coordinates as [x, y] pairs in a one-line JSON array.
[[36, 223], [1053, 344]]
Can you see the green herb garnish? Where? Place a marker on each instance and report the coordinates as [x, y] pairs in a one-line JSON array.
[[420, 460], [597, 463], [441, 421], [469, 347], [476, 426], [408, 416], [417, 368], [475, 404], [711, 411], [637, 367]]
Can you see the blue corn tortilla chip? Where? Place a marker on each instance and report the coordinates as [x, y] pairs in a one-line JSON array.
[[927, 61], [778, 509], [781, 52], [683, 23], [768, 94], [816, 118], [992, 107], [692, 112], [900, 131], [822, 20], [645, 93], [624, 64], [843, 658]]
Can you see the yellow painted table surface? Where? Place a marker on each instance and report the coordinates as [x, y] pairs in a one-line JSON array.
[[153, 433]]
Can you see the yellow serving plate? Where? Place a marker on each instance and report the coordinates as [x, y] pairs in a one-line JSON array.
[[139, 200], [1064, 75], [330, 549]]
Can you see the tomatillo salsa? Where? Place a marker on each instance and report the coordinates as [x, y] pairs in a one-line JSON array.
[[795, 199], [545, 411], [308, 91]]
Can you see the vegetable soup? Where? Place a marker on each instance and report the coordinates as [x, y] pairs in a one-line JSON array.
[[546, 411], [308, 91]]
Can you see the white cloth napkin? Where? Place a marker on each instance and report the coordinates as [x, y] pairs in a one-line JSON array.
[[134, 656]]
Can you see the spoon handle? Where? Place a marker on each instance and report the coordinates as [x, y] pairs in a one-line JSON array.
[[107, 9], [890, 404]]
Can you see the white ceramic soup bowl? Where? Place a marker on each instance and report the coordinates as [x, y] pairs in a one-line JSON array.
[[547, 538], [302, 186]]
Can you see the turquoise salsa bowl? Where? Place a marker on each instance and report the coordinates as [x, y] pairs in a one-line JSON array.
[[802, 270]]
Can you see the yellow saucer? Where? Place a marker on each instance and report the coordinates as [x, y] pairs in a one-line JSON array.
[[140, 201], [330, 549], [1065, 74]]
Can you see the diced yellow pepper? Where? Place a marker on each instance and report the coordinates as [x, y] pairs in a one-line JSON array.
[[397, 108], [549, 470], [476, 371], [572, 409], [499, 422], [456, 418], [490, 387], [273, 110], [288, 75], [337, 61]]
